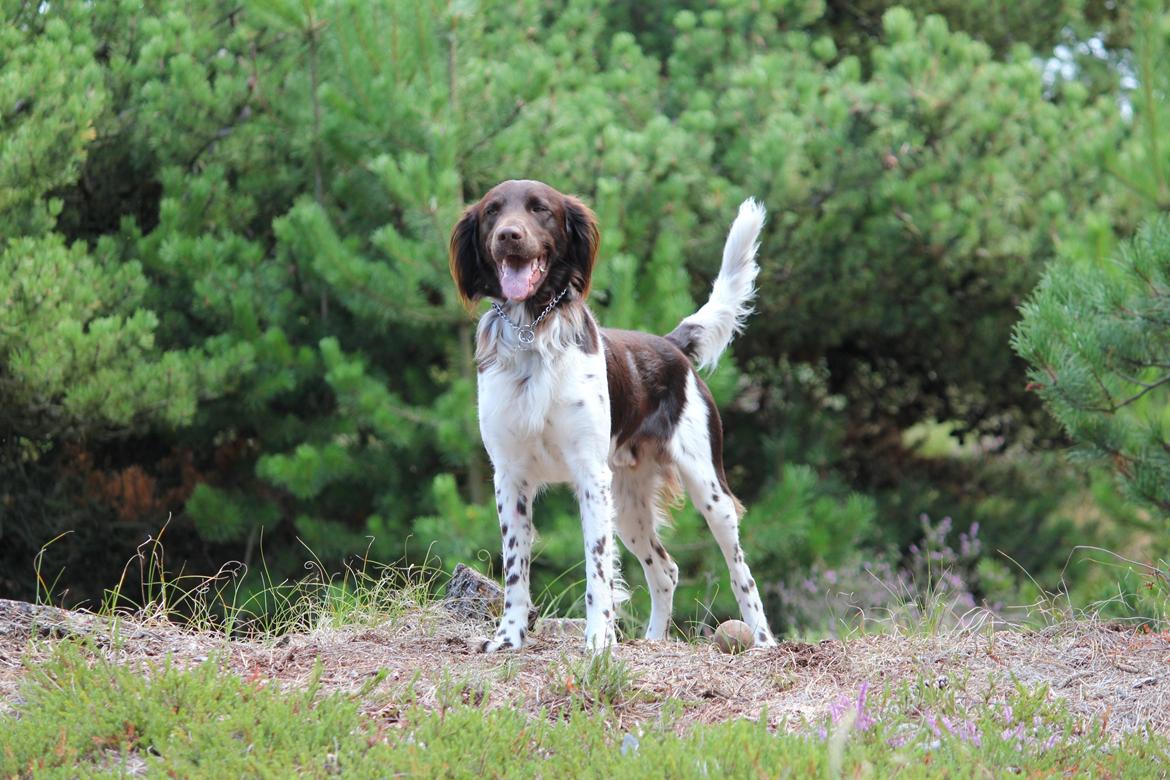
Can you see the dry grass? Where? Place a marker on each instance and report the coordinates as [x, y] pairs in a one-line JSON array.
[[1108, 674]]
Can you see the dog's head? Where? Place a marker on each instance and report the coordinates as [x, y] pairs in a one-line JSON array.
[[523, 241]]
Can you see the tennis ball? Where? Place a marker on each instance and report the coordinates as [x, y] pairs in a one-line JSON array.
[[733, 636]]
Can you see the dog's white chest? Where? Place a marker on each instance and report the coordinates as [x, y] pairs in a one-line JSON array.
[[542, 416]]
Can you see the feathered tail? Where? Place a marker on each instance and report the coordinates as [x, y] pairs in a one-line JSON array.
[[704, 335]]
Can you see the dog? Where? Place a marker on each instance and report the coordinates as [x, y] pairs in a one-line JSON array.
[[621, 416]]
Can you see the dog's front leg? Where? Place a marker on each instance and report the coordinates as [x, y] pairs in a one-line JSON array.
[[595, 493], [514, 504]]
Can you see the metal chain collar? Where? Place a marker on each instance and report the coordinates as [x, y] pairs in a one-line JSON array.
[[527, 333]]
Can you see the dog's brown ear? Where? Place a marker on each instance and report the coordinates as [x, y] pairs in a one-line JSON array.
[[584, 239], [463, 257]]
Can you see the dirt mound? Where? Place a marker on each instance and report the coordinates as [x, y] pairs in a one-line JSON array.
[[1108, 674]]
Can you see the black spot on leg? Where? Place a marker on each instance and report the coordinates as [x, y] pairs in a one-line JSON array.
[[599, 546], [659, 550], [499, 508], [504, 529], [649, 560], [507, 605], [513, 579], [523, 633], [589, 599], [714, 499], [579, 404], [522, 506], [605, 613], [761, 636], [510, 562], [708, 507], [511, 542]]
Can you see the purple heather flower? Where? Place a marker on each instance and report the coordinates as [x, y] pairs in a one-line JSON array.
[[1017, 733], [864, 719]]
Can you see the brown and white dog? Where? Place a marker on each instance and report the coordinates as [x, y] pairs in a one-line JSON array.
[[622, 416]]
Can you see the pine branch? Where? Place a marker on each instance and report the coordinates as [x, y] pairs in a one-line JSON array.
[[1118, 405]]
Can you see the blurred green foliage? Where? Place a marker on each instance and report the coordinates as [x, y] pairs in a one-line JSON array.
[[226, 299]]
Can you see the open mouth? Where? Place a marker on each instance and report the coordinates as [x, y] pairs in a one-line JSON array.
[[520, 276]]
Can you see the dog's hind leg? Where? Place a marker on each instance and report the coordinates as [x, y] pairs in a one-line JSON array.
[[697, 449], [637, 497]]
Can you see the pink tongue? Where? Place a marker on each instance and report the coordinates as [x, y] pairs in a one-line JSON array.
[[516, 281]]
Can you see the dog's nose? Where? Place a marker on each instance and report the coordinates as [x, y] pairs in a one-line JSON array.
[[509, 233]]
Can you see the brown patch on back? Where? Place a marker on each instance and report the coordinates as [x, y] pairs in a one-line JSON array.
[[646, 402]]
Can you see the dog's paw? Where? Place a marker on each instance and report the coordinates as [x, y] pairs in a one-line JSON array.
[[599, 640], [502, 641], [495, 645]]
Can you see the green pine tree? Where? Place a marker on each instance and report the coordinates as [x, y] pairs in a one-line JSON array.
[[1098, 339]]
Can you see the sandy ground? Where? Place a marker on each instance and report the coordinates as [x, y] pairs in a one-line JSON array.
[[1108, 674]]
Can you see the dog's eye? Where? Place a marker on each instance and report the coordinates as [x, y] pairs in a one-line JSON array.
[[537, 208], [491, 208]]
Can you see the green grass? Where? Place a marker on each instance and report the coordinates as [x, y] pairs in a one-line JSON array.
[[237, 604], [595, 679], [83, 716]]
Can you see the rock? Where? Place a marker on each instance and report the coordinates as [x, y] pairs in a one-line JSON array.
[[475, 597], [18, 618]]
